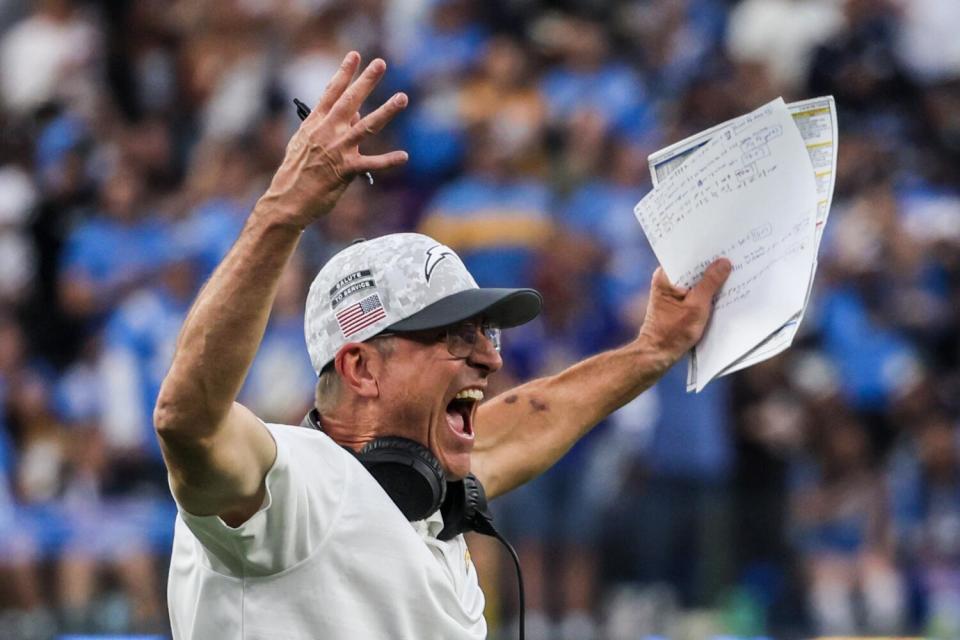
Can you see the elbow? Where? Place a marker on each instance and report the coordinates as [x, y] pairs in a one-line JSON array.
[[167, 416], [175, 413], [183, 418]]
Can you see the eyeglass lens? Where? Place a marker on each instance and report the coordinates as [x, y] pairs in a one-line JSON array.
[[462, 338]]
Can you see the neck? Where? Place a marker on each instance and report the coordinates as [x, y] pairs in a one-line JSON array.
[[353, 435]]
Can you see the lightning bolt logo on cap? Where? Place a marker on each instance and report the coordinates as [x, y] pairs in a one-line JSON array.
[[435, 255]]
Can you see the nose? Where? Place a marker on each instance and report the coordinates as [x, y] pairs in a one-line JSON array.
[[484, 355]]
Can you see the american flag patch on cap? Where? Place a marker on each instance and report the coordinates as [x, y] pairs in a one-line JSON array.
[[361, 315]]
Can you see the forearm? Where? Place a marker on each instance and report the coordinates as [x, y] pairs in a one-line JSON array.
[[524, 431], [217, 452], [223, 329]]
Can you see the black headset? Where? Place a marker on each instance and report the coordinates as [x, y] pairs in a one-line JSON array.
[[412, 476]]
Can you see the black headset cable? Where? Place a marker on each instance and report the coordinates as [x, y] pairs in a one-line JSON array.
[[483, 523], [516, 563]]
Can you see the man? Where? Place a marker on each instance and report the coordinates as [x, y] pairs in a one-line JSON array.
[[282, 533]]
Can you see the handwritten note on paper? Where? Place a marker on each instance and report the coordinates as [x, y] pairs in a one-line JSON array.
[[816, 120], [748, 194]]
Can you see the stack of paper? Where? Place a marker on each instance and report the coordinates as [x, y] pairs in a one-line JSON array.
[[757, 190]]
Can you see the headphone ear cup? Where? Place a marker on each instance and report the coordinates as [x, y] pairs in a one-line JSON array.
[[465, 509], [409, 473]]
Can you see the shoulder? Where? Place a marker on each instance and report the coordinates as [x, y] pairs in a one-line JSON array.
[[300, 435], [305, 446], [306, 491]]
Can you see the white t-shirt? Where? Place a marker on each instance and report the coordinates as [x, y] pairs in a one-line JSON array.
[[328, 556]]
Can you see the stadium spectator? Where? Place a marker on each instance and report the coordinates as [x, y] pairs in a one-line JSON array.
[[782, 35], [17, 252], [672, 41], [138, 344], [599, 212], [502, 101], [926, 44], [112, 253], [49, 55], [494, 217], [925, 482], [314, 56], [672, 493], [224, 182], [448, 44], [90, 553], [588, 79], [451, 41], [20, 543], [860, 67], [844, 533], [353, 218]]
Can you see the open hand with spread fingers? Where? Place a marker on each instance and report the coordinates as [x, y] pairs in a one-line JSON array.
[[323, 156]]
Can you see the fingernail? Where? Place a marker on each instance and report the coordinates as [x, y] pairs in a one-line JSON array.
[[400, 99], [378, 64]]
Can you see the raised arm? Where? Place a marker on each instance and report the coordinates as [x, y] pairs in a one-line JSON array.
[[522, 432], [217, 452]]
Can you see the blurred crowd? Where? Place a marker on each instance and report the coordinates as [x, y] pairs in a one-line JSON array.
[[815, 493]]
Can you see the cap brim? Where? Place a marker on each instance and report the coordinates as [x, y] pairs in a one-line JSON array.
[[506, 307]]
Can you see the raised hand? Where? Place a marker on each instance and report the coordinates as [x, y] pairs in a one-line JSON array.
[[323, 156], [676, 317]]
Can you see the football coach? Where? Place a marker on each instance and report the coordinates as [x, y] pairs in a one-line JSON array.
[[352, 529]]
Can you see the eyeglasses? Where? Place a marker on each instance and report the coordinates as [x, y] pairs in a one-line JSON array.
[[461, 338]]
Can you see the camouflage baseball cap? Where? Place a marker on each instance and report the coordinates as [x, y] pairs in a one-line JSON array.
[[400, 282]]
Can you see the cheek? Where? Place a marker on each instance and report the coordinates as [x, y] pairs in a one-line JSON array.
[[413, 404], [409, 410]]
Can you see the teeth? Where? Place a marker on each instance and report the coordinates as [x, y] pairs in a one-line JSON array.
[[470, 394]]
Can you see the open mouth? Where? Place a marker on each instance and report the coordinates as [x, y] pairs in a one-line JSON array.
[[460, 411]]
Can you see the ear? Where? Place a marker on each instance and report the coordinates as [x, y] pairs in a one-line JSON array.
[[359, 366]]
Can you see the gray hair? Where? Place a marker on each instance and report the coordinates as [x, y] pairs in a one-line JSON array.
[[327, 394]]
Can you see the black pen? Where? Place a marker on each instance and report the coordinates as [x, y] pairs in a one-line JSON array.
[[303, 111]]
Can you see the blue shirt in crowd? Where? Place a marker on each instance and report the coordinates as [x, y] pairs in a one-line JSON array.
[[281, 382], [495, 226], [604, 211], [109, 252], [691, 436], [138, 347], [210, 232], [872, 360], [615, 91]]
